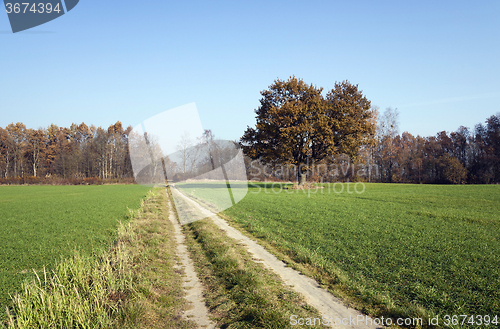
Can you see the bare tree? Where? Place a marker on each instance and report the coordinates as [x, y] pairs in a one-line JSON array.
[[185, 152], [387, 130], [388, 123]]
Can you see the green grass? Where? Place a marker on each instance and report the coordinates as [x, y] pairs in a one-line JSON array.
[[397, 250], [134, 284], [43, 224], [81, 292]]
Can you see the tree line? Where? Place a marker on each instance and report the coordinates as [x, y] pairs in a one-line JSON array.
[[300, 133], [93, 155], [463, 156], [78, 154]]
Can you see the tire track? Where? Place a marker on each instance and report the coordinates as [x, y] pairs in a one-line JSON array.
[[191, 284], [328, 305]]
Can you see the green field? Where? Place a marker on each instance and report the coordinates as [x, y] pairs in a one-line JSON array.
[[399, 250], [41, 224]]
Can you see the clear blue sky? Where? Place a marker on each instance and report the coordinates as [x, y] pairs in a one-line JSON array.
[[438, 62]]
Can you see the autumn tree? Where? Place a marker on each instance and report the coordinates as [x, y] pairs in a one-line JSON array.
[[451, 170], [117, 142], [460, 140], [298, 126], [63, 147], [493, 146], [485, 162], [100, 150], [17, 133], [5, 152], [51, 160], [36, 148]]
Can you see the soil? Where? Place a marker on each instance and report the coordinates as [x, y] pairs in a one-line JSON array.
[[191, 284]]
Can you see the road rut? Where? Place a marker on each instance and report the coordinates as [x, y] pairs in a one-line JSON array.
[[191, 284], [328, 305]]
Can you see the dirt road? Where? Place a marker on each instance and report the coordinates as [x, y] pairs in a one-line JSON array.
[[327, 304]]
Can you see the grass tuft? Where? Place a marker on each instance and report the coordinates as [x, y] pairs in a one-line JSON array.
[[81, 292]]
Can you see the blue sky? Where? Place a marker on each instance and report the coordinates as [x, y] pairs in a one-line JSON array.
[[437, 62]]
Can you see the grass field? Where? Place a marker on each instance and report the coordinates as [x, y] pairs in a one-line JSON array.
[[42, 224], [397, 250]]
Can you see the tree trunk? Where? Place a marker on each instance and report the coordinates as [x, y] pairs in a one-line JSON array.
[[7, 166], [302, 178], [35, 158], [301, 175]]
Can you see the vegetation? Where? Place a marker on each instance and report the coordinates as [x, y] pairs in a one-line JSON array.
[[41, 224], [82, 292], [135, 284], [300, 133], [239, 292], [466, 155], [297, 126], [157, 272], [328, 138], [60, 154], [394, 250]]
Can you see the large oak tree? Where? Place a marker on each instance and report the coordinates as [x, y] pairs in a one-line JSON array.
[[297, 125]]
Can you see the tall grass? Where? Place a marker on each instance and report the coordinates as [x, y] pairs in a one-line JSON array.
[[81, 292]]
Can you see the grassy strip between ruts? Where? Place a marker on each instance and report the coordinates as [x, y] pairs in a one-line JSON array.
[[134, 285], [240, 293]]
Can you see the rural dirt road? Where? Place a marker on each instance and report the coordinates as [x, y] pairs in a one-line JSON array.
[[328, 305], [191, 284]]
